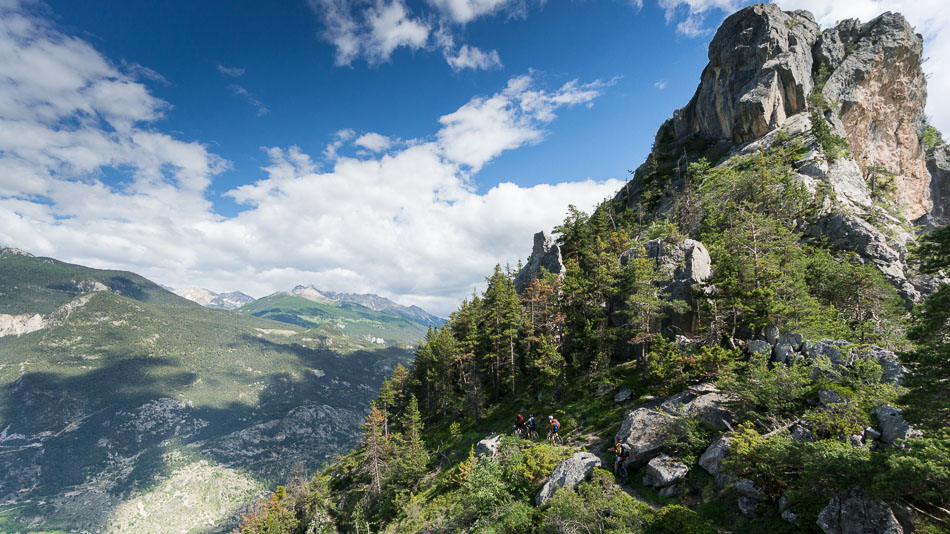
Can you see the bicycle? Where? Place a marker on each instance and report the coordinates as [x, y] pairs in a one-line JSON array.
[[532, 435], [620, 471], [518, 431], [554, 438]]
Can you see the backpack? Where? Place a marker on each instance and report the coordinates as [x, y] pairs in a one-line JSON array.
[[623, 450], [556, 425]]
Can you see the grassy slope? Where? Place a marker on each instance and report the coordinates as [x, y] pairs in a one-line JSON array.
[[356, 321]]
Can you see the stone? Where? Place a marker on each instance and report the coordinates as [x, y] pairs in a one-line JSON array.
[[784, 503], [645, 431], [671, 491], [771, 334], [704, 402], [687, 265], [622, 395], [852, 512], [664, 471], [748, 488], [792, 340], [837, 352], [757, 346], [488, 447], [857, 440], [759, 73], [568, 473], [783, 352], [546, 254], [871, 434], [801, 432], [893, 370], [893, 426], [827, 396], [790, 517], [711, 459]]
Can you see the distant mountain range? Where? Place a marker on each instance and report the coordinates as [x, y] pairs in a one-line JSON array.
[[373, 302], [210, 299], [127, 408]]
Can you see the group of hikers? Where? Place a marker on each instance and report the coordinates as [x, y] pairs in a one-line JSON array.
[[528, 429]]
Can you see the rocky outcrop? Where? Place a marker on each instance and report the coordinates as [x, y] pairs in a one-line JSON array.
[[939, 166], [686, 265], [711, 459], [17, 325], [546, 254], [4, 251], [649, 428], [759, 73], [568, 473], [878, 89], [852, 512]]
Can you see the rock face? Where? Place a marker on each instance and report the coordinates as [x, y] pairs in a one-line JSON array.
[[759, 73], [544, 254], [687, 265], [568, 473], [853, 513], [939, 166], [16, 325], [878, 90]]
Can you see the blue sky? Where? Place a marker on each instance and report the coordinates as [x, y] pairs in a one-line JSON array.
[[388, 146]]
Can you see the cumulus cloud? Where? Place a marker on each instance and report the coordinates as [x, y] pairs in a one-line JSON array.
[[470, 57], [372, 32], [407, 223], [660, 85], [464, 11], [373, 141]]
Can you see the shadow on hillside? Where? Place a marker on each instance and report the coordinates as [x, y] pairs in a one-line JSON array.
[[86, 421]]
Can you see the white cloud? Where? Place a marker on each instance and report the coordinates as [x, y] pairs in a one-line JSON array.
[[233, 72], [373, 141], [464, 11], [259, 106], [470, 57], [407, 224], [930, 18], [373, 33], [660, 85]]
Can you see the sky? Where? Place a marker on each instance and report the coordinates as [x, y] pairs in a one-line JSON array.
[[396, 147]]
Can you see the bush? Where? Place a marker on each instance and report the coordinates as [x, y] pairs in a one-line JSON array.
[[676, 519], [598, 505]]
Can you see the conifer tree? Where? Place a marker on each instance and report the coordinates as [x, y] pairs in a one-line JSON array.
[[375, 451], [412, 455]]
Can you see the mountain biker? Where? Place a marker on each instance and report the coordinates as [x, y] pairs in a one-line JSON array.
[[519, 425], [622, 452], [532, 426], [555, 426]]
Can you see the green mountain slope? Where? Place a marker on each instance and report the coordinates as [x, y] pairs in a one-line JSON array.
[[134, 410], [355, 321]]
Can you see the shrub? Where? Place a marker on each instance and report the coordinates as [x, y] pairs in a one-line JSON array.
[[676, 519]]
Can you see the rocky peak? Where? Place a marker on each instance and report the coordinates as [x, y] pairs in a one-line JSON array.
[[13, 252], [545, 253], [759, 73]]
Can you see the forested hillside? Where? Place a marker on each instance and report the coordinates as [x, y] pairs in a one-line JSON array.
[[754, 318]]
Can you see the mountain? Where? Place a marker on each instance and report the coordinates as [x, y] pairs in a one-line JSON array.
[[210, 299], [126, 408], [309, 308], [373, 302], [734, 323]]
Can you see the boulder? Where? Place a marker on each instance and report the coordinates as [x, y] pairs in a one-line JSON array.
[[852, 512], [671, 491], [871, 434], [783, 353], [544, 254], [757, 346], [711, 459], [488, 447], [893, 370], [792, 340], [568, 473], [646, 432], [827, 396], [687, 265], [664, 471], [837, 352], [801, 432], [893, 426], [703, 401], [771, 334], [748, 505], [759, 73]]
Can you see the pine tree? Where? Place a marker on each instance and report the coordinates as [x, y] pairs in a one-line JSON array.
[[412, 457], [376, 451]]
